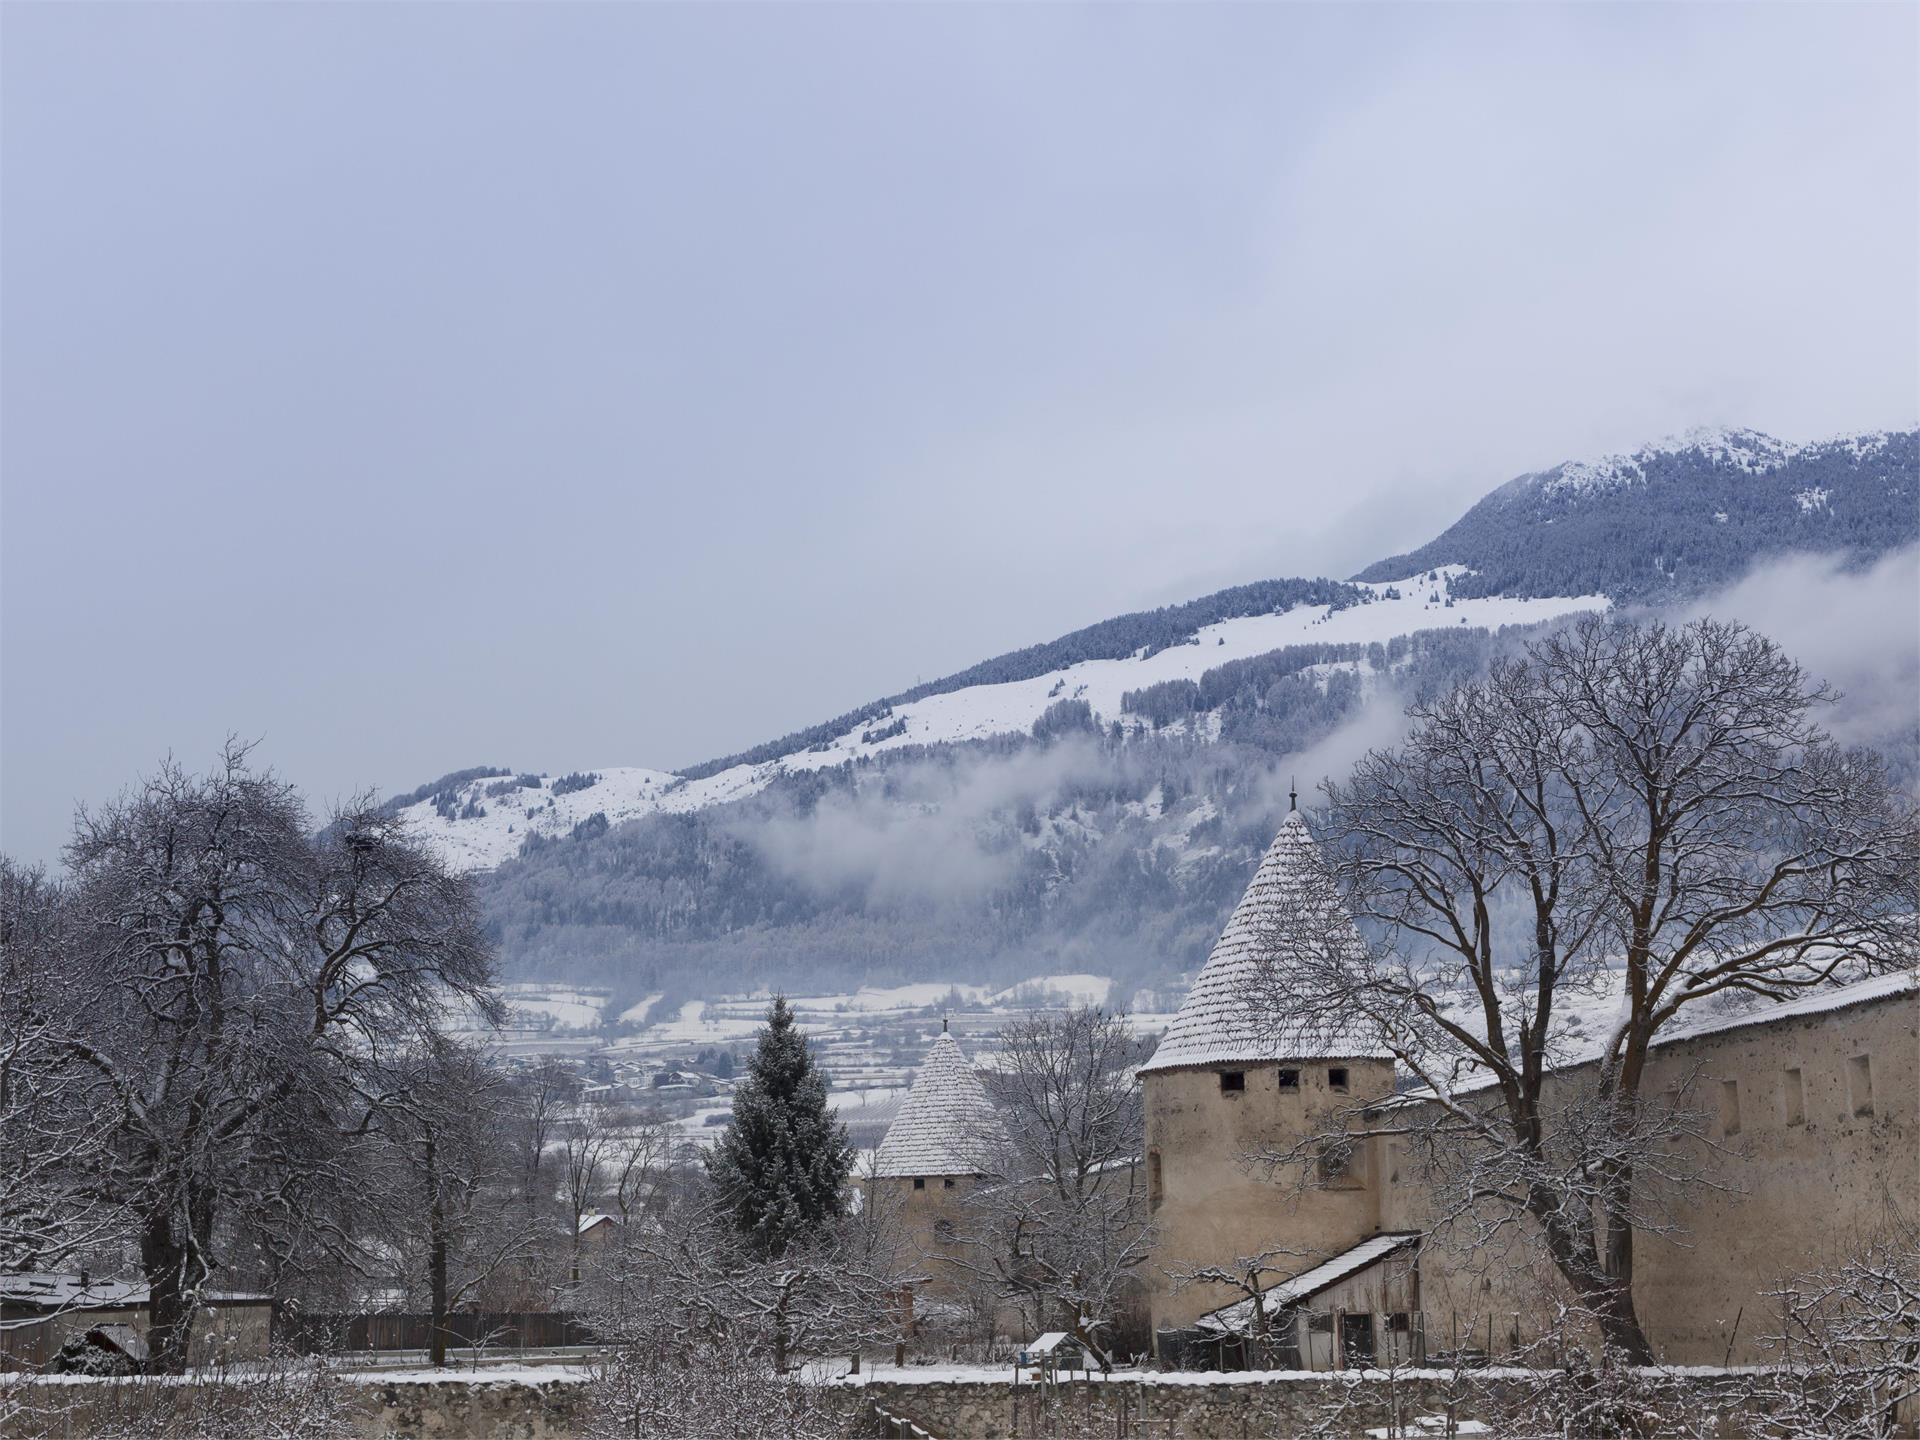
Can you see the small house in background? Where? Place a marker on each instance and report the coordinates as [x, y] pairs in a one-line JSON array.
[[598, 1228], [41, 1311]]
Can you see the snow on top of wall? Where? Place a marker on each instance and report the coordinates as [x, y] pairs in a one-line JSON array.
[[974, 713], [1702, 1022]]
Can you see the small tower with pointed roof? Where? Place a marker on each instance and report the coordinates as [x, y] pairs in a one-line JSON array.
[[939, 1148], [1231, 1079]]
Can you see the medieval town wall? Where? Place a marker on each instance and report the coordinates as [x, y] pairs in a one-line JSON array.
[[1801, 1164]]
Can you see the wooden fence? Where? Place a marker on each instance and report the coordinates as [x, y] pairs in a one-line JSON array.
[[408, 1330]]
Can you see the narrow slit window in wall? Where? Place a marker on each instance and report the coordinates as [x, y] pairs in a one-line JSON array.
[[1860, 1085], [1793, 1097]]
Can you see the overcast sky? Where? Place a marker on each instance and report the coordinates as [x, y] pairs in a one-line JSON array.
[[423, 386]]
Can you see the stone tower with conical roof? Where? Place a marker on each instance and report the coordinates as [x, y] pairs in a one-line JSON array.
[[1232, 1079], [940, 1147]]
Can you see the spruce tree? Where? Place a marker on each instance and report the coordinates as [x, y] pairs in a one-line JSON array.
[[783, 1164]]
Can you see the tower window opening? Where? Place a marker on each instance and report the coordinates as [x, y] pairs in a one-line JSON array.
[[1289, 1079], [1232, 1080], [1860, 1084], [1337, 1079]]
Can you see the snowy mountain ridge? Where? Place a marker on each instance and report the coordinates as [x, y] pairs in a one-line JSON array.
[[481, 823], [1739, 449], [1751, 452], [1660, 523], [1675, 518]]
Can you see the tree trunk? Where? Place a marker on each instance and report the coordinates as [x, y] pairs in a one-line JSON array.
[[1619, 1319], [1600, 1270], [163, 1261], [436, 1263]]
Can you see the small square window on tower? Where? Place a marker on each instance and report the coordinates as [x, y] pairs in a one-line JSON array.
[[1289, 1079], [919, 1182], [1337, 1079], [1232, 1081]]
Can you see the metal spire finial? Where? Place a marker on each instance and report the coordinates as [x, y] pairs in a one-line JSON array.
[[1293, 795]]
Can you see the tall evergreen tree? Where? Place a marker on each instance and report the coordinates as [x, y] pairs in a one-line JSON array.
[[783, 1164]]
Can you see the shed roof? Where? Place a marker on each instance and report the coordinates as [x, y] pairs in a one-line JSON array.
[[1236, 1318], [55, 1290], [1222, 1021], [946, 1125]]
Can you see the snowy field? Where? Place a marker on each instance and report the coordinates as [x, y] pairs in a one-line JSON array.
[[625, 793], [569, 1008]]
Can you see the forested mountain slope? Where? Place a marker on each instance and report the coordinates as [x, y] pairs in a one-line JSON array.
[[1680, 516], [1093, 804]]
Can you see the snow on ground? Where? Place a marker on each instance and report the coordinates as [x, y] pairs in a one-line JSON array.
[[873, 1000], [695, 1128], [1080, 989], [694, 1026], [636, 1013], [977, 712], [482, 1374], [574, 1009]]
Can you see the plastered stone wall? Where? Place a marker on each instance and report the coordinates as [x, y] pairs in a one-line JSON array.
[[1801, 1178], [1808, 1172], [1212, 1206]]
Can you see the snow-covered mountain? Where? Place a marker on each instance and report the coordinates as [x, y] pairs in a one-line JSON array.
[[1680, 515], [1092, 804], [482, 821]]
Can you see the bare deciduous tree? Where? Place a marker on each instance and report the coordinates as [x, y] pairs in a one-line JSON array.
[[253, 969], [1849, 1340], [53, 1131], [1628, 809], [646, 1151], [695, 1281], [1061, 1223], [585, 1138], [437, 1111]]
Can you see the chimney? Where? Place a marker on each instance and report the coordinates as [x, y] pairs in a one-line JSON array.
[[84, 1281]]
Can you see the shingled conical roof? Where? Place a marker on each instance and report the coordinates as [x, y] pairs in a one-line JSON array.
[[1227, 1017], [946, 1125]]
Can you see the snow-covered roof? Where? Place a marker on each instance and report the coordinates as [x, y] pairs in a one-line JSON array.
[[1235, 1319], [1220, 1021], [593, 1218], [946, 1125], [57, 1290]]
